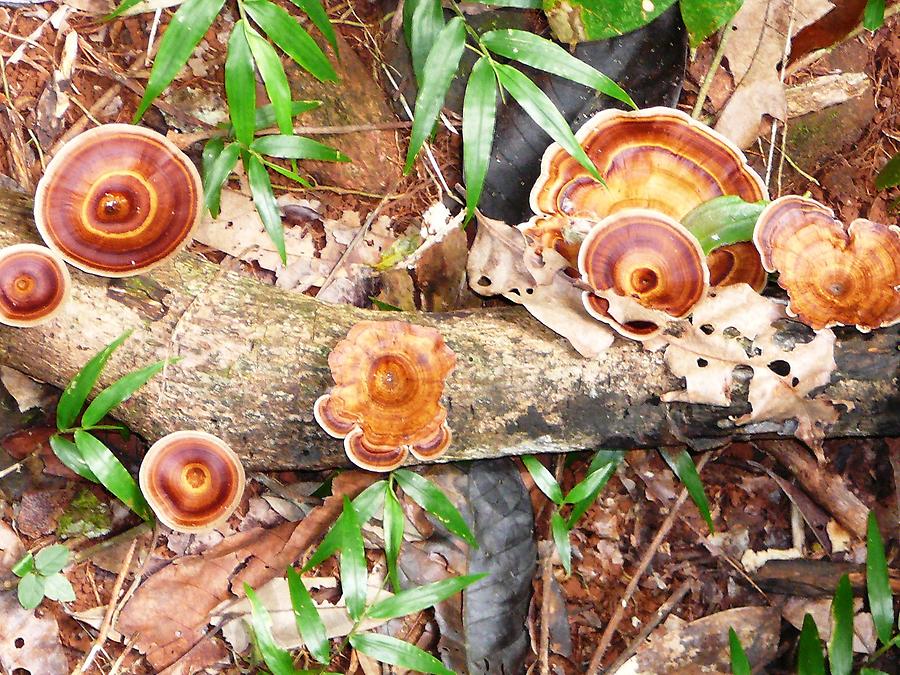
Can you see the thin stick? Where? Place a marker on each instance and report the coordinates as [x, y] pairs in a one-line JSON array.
[[713, 67], [127, 535], [784, 58]]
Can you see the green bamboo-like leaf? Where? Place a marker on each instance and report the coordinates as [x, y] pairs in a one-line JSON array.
[[518, 4], [479, 119], [537, 52], [215, 179], [601, 460], [111, 474], [24, 565], [889, 176], [277, 659], [72, 400], [878, 585], [69, 455], [560, 532], [540, 108], [440, 66], [291, 37], [297, 147], [353, 562], [427, 495], [740, 664], [683, 467], [287, 173], [317, 14], [118, 392], [394, 523], [702, 18], [265, 115], [840, 646], [211, 151], [51, 559], [309, 623], [31, 590], [58, 588], [871, 671], [592, 483], [397, 653], [723, 221], [810, 659], [121, 9], [873, 16], [274, 78], [240, 84], [426, 20], [264, 201], [417, 599], [182, 35], [543, 479]]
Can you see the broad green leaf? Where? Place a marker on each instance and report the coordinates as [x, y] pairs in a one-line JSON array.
[[592, 483], [277, 659], [72, 400], [264, 201], [24, 565], [543, 479], [427, 495], [69, 455], [425, 22], [121, 9], [118, 392], [397, 653], [810, 659], [393, 524], [417, 599], [723, 221], [840, 646], [274, 78], [353, 563], [31, 590], [182, 35], [575, 21], [440, 67], [51, 559], [291, 37], [317, 14], [58, 588], [889, 176], [218, 175], [602, 459], [560, 532], [878, 585], [309, 623], [537, 52], [111, 474], [265, 115], [740, 665], [683, 466], [297, 147], [479, 119], [541, 109], [873, 16], [240, 84], [702, 18]]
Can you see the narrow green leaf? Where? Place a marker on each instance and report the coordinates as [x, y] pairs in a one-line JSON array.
[[121, 9], [518, 4], [840, 646], [264, 201], [810, 659], [871, 671], [309, 623], [182, 35], [702, 18], [394, 523], [397, 653], [69, 455], [58, 588], [740, 665], [291, 37], [889, 176], [24, 565], [218, 175], [240, 84], [31, 590], [265, 115], [287, 173], [560, 533], [723, 221], [277, 659], [297, 147], [51, 559], [211, 151], [602, 459], [417, 599], [878, 585], [111, 474], [118, 392], [75, 394], [274, 78], [353, 563], [384, 306], [683, 466], [592, 483], [426, 20], [540, 108], [873, 16], [479, 119], [317, 14], [543, 478], [537, 52], [440, 66], [427, 495]]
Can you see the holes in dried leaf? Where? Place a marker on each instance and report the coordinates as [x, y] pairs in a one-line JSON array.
[[702, 362], [707, 329], [483, 281], [780, 367], [19, 643]]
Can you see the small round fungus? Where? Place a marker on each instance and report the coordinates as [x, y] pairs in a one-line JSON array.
[[34, 285]]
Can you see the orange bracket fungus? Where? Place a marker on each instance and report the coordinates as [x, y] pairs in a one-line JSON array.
[[34, 285], [118, 200], [833, 274], [389, 378], [192, 480]]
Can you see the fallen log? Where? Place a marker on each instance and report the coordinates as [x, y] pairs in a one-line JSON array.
[[254, 359]]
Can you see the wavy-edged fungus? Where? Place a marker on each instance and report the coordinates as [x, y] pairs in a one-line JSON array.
[[644, 268], [34, 285], [833, 274], [736, 264], [118, 200], [389, 378], [192, 480]]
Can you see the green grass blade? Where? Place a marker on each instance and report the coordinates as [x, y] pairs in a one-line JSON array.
[[683, 467], [111, 474], [397, 653], [440, 67], [274, 78], [394, 523], [317, 14], [543, 479], [118, 392], [601, 460], [240, 84], [121, 9], [215, 179], [72, 400], [264, 201], [537, 52], [309, 623], [889, 176], [277, 659], [51, 559], [810, 659], [182, 35], [68, 454], [31, 590], [591, 484], [417, 599], [427, 495], [560, 533], [541, 109], [740, 665], [878, 585], [297, 147], [353, 562], [287, 173], [426, 21], [873, 16], [840, 646], [265, 115], [212, 150], [479, 119]]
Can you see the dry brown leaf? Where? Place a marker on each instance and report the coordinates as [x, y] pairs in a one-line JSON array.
[[864, 638], [11, 549], [821, 92], [28, 642], [28, 393]]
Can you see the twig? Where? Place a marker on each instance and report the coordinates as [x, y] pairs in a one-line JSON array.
[[713, 67], [17, 466], [784, 57], [546, 551], [127, 535]]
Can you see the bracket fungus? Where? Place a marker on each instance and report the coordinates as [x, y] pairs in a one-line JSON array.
[[192, 480], [34, 285], [833, 274], [118, 200], [389, 378]]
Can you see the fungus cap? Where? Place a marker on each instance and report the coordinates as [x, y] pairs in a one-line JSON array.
[[118, 200], [736, 264], [192, 480], [389, 378], [833, 274], [34, 285]]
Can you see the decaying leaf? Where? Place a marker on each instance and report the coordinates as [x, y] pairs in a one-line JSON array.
[[821, 92], [11, 549], [28, 642], [864, 638], [27, 392]]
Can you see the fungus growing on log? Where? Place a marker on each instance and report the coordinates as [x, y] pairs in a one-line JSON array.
[[389, 378], [192, 480], [34, 285], [118, 200], [833, 274], [736, 264]]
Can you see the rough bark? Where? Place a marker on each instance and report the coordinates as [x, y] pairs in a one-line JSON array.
[[254, 359]]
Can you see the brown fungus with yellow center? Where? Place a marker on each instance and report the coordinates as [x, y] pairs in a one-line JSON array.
[[34, 285], [389, 378]]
